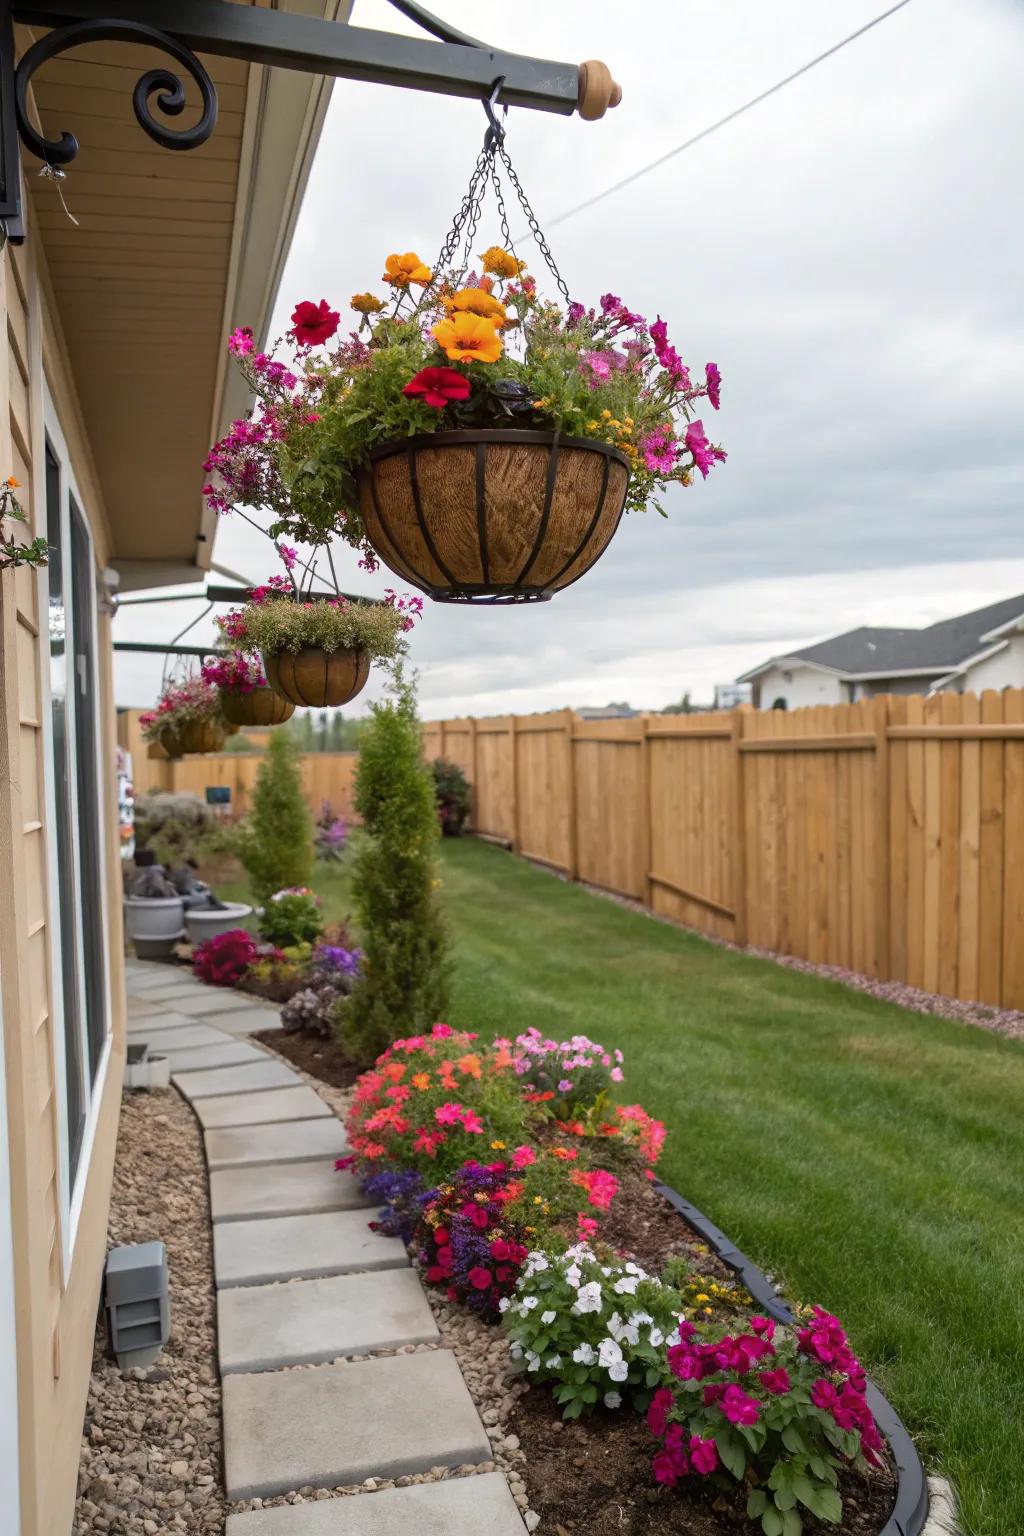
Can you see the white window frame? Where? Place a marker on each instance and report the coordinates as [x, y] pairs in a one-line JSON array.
[[71, 1198]]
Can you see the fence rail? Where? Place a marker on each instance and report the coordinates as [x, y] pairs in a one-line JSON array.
[[885, 837]]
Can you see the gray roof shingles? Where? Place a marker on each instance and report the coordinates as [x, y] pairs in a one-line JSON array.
[[940, 647]]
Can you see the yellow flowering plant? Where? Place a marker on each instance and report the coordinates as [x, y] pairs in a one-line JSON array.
[[441, 351]]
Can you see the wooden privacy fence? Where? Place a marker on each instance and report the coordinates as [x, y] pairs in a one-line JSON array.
[[886, 837], [325, 776]]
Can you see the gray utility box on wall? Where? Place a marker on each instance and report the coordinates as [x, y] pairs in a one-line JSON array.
[[138, 1305]]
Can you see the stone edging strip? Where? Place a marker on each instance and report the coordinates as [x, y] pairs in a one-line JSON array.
[[910, 1512]]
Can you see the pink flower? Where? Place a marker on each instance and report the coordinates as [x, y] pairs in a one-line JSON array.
[[289, 556], [659, 450], [666, 1468], [565, 1086], [472, 1123], [825, 1396], [703, 1455], [713, 384], [448, 1114], [240, 341], [313, 324], [659, 333], [586, 1227], [826, 1340], [522, 1157], [616, 1074], [704, 453], [777, 1382], [762, 1326], [479, 1277], [657, 1412], [738, 1407]]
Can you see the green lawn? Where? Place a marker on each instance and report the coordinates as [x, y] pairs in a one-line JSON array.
[[871, 1158]]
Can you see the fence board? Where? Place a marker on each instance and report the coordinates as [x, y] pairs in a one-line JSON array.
[[990, 862]]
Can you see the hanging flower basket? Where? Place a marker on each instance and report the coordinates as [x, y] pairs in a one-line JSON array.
[[246, 697], [187, 719], [478, 439], [317, 652], [505, 515], [316, 678]]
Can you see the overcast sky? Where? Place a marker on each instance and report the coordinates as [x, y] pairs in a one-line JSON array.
[[849, 253]]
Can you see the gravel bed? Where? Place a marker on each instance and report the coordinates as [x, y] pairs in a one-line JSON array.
[[1001, 1021], [151, 1445]]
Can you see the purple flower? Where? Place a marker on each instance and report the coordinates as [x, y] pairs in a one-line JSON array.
[[576, 312], [714, 385], [610, 304]]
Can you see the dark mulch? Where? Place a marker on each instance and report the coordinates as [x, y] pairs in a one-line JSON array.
[[321, 1058], [593, 1478], [644, 1227]]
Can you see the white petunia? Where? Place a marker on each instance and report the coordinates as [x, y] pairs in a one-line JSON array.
[[528, 1303], [675, 1337], [613, 1400], [588, 1298], [626, 1286], [515, 1349], [609, 1354], [532, 1361], [584, 1354], [573, 1276], [640, 1318], [504, 1304], [553, 1362], [618, 1372], [657, 1338], [548, 1316]]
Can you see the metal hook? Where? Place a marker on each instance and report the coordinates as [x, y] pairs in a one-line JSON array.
[[495, 135]]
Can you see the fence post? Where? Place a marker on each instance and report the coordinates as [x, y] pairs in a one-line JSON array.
[[440, 738], [472, 782], [570, 743], [513, 726], [883, 835], [646, 809], [739, 809]]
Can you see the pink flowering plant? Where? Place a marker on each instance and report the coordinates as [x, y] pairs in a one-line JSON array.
[[185, 703], [449, 350], [570, 1076], [777, 1409], [292, 916], [278, 618], [597, 1331], [234, 673]]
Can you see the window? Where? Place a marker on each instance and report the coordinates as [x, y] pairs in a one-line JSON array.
[[76, 815]]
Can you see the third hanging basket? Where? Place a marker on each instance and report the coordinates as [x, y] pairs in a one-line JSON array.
[[492, 516]]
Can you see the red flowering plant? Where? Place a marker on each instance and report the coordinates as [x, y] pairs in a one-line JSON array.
[[235, 672], [779, 1410], [226, 958], [452, 349], [183, 703], [466, 1240]]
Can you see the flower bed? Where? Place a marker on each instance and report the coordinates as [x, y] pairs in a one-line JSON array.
[[527, 1194]]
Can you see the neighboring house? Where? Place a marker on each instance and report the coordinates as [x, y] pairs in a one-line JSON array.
[[606, 712], [966, 654], [113, 385]]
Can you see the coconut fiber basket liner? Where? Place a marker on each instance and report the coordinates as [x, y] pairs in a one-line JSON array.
[[260, 706], [492, 516]]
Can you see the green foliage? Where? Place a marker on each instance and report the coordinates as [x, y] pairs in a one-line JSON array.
[[283, 624], [454, 797], [291, 917], [327, 730], [36, 551], [276, 841], [404, 985]]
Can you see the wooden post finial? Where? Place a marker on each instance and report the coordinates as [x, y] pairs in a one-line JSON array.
[[598, 91]]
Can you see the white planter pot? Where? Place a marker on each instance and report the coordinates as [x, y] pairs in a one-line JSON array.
[[153, 1072], [205, 922], [154, 917]]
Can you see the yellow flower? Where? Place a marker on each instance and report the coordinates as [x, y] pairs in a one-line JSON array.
[[468, 338], [537, 1200], [592, 426], [606, 415], [501, 262], [476, 301], [400, 271], [497, 1146], [702, 1297], [366, 303]]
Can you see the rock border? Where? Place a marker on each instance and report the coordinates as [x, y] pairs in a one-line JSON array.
[[911, 1508]]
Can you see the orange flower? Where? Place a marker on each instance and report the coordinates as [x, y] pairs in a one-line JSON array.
[[400, 271], [469, 1066], [502, 1058], [468, 338], [567, 1154], [366, 303], [395, 1070], [12, 484], [421, 1080], [501, 262], [475, 301]]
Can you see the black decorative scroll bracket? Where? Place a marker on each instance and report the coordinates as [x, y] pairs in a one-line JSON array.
[[455, 65]]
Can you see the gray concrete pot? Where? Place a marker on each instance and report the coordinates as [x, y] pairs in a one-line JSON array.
[[206, 922], [154, 917]]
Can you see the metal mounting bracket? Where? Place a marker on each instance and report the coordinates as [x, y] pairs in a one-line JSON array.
[[453, 65]]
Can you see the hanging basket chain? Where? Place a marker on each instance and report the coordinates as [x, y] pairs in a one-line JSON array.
[[531, 217]]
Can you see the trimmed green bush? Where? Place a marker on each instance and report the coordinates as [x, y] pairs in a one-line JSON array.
[[454, 796], [405, 970], [276, 842]]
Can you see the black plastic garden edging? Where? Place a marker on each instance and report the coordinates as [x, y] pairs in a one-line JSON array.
[[910, 1511]]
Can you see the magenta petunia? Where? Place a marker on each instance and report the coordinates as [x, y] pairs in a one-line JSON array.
[[713, 384]]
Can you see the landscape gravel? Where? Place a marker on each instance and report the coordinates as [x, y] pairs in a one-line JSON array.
[[151, 1446]]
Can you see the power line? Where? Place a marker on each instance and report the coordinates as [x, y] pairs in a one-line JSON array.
[[730, 117]]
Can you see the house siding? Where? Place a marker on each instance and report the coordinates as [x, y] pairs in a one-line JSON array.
[[799, 686], [56, 1294], [1004, 670]]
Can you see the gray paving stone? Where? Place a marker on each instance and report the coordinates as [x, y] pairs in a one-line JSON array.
[[283, 1189], [171, 991], [164, 1020], [143, 1008], [235, 1053], [251, 1021], [293, 1141], [229, 1080], [158, 977], [214, 1000], [465, 1506], [299, 1103], [343, 1423], [264, 1327], [301, 1248], [176, 1038]]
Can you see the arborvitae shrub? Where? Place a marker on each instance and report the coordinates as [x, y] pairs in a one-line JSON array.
[[276, 841]]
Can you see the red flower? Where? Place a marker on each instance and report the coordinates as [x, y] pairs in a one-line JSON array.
[[479, 1277], [438, 386], [313, 324]]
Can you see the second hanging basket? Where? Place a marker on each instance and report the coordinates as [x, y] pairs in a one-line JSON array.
[[492, 516]]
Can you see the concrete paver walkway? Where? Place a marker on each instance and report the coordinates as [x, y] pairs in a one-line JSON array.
[[303, 1283]]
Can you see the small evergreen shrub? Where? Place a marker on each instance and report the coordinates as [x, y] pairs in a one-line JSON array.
[[404, 983], [292, 917], [276, 842], [453, 796]]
